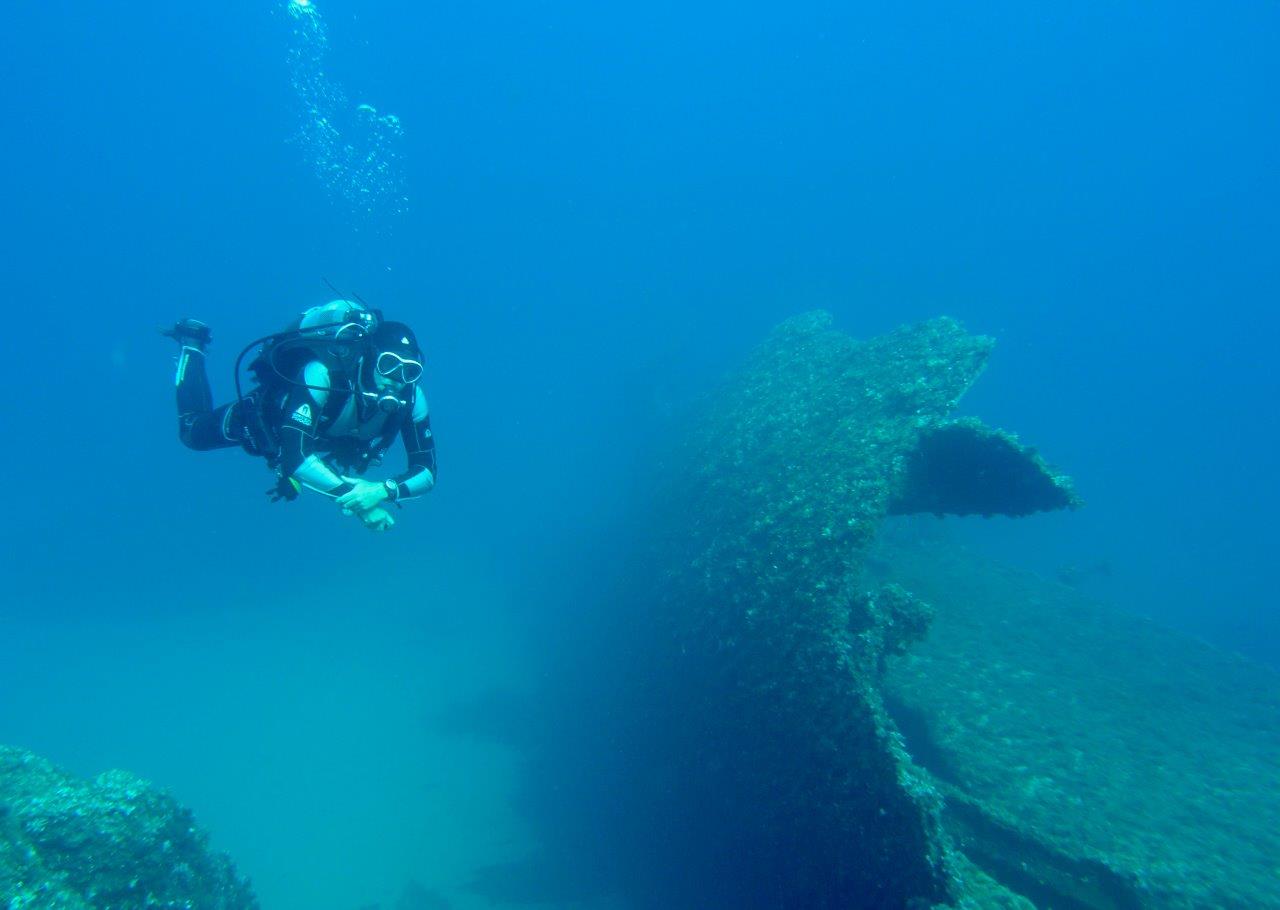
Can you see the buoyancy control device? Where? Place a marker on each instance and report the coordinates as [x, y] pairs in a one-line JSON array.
[[332, 333]]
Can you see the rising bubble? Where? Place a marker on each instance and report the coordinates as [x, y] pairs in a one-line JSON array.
[[354, 150]]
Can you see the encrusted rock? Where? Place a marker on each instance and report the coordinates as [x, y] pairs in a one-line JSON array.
[[113, 843]]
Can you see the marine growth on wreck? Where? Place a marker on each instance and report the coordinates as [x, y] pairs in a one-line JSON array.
[[742, 683], [766, 594]]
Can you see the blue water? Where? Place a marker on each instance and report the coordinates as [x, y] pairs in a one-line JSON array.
[[587, 215]]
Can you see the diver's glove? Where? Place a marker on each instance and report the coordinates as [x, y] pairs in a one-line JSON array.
[[364, 495], [287, 489], [376, 519]]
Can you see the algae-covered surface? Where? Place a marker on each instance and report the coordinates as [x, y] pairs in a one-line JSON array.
[[781, 487], [757, 764], [1091, 758], [113, 843]]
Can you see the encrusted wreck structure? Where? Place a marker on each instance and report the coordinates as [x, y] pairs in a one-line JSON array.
[[1089, 758], [776, 640], [774, 706], [737, 738]]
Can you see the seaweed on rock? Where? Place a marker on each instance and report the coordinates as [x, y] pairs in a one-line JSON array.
[[114, 842]]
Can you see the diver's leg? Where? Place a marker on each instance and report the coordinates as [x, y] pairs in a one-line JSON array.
[[192, 383], [200, 425], [216, 429]]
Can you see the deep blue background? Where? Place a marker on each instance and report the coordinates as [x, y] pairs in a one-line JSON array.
[[607, 208]]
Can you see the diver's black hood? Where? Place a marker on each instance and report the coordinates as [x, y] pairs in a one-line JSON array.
[[397, 338]]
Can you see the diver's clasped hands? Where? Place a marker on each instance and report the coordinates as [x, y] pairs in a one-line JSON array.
[[376, 519], [364, 501], [363, 495]]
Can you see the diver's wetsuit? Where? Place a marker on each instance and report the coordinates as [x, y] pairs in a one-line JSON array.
[[319, 433], [200, 425]]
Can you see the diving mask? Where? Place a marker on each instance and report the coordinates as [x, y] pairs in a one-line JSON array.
[[398, 369]]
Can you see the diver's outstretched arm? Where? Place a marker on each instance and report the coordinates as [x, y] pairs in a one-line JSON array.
[[420, 448]]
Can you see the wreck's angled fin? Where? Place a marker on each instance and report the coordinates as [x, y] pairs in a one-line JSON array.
[[964, 467]]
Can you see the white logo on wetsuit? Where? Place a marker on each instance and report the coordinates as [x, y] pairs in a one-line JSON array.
[[303, 415]]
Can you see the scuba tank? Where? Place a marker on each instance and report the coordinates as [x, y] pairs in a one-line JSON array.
[[332, 333]]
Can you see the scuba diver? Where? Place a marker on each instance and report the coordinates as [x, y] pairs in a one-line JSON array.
[[333, 392]]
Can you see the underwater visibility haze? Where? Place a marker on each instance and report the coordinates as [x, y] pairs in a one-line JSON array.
[[731, 591]]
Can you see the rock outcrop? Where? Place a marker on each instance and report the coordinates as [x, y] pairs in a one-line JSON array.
[[114, 842]]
